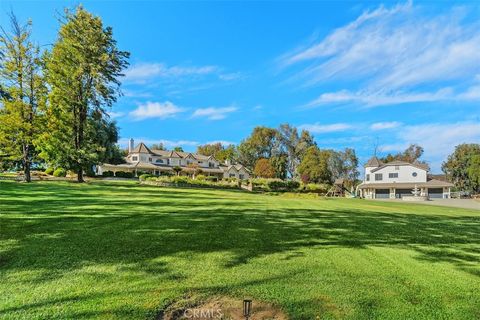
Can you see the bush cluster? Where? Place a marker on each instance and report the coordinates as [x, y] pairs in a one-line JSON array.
[[49, 170], [280, 185], [119, 174], [60, 172], [198, 182], [107, 174], [123, 174]]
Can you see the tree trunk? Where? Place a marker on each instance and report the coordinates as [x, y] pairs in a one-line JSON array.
[[26, 164], [80, 175]]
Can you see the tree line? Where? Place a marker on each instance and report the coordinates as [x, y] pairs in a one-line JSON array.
[[54, 104], [284, 152], [54, 101]]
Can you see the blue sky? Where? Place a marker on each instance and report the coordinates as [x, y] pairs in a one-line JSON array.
[[355, 74]]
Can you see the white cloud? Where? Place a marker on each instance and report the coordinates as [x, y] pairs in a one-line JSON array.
[[213, 113], [222, 142], [385, 125], [326, 128], [438, 140], [160, 110], [167, 143], [374, 99], [113, 114], [231, 76], [398, 55], [142, 72]]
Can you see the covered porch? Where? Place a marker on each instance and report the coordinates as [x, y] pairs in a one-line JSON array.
[[431, 189]]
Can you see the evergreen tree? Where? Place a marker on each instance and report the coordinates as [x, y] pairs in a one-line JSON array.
[[23, 92], [83, 73]]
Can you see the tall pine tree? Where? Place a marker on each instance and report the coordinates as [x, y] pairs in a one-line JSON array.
[[83, 73], [23, 92]]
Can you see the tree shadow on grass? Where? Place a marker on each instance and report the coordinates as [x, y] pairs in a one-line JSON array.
[[61, 229]]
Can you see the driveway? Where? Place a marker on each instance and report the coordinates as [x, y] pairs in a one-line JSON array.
[[458, 203], [455, 203]]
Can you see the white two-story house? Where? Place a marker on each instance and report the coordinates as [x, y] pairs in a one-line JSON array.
[[397, 179], [143, 159]]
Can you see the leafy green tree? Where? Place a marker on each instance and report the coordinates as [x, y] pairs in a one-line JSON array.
[[178, 149], [474, 172], [350, 162], [413, 153], [177, 170], [227, 153], [210, 149], [83, 73], [217, 150], [292, 145], [264, 169], [279, 165], [259, 144], [461, 165], [287, 142], [314, 166], [23, 93], [105, 134]]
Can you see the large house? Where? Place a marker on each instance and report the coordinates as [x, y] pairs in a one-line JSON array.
[[143, 159], [398, 179]]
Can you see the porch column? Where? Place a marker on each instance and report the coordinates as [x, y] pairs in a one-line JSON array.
[[392, 193]]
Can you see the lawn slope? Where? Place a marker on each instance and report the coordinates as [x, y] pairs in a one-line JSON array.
[[123, 251]]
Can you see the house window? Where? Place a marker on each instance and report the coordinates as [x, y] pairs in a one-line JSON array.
[[159, 161], [393, 175], [378, 176], [150, 160], [397, 167], [134, 158], [241, 176], [211, 164], [232, 175], [414, 174], [368, 177]]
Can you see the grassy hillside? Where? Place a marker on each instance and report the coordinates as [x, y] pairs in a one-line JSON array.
[[118, 250]]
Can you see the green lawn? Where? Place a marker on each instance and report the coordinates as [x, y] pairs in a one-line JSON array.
[[119, 250]]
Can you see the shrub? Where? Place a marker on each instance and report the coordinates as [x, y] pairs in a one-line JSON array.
[[123, 174], [60, 172], [315, 187], [179, 179], [107, 174], [146, 176], [200, 177], [89, 172], [211, 178], [276, 185], [292, 185], [49, 171]]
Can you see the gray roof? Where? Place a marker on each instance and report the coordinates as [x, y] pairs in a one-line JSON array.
[[142, 148], [373, 162], [416, 164]]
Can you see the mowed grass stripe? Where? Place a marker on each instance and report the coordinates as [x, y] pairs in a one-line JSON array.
[[111, 250]]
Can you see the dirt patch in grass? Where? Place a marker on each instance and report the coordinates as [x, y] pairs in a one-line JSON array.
[[224, 308]]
